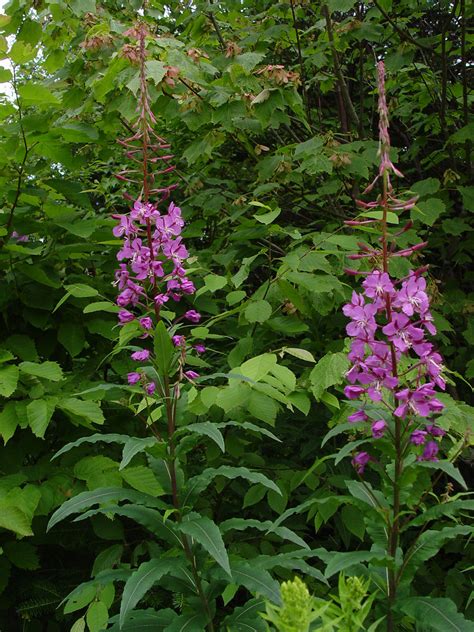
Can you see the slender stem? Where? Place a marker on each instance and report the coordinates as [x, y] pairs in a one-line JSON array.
[[394, 527], [171, 419]]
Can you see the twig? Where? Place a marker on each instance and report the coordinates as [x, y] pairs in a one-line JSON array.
[[337, 70], [300, 60]]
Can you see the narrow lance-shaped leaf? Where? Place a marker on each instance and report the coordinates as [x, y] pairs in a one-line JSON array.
[[140, 583], [207, 534]]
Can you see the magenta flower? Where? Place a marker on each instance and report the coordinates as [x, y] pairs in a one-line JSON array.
[[418, 437], [430, 452], [357, 416], [200, 348], [377, 285], [146, 322], [359, 461], [402, 333], [125, 316], [421, 401], [142, 355], [435, 431], [412, 296], [378, 428], [353, 392], [133, 377], [178, 341], [192, 316], [150, 388], [191, 375]]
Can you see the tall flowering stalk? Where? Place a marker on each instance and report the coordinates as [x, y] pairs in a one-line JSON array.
[[152, 273], [395, 368]]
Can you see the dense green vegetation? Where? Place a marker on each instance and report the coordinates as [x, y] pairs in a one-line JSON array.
[[271, 111]]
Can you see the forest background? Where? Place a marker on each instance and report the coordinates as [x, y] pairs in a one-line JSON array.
[[271, 110]]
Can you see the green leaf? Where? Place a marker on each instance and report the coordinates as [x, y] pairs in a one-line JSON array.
[[99, 496], [207, 534], [199, 483], [134, 445], [302, 354], [142, 479], [267, 526], [46, 370], [39, 413], [246, 618], [37, 94], [71, 336], [145, 516], [14, 519], [365, 492], [248, 61], [447, 467], [164, 349], [8, 421], [256, 580], [22, 52], [156, 70], [210, 430], [426, 187], [77, 132], [8, 379], [392, 218], [86, 409], [97, 616], [101, 306], [267, 218], [79, 625], [140, 583], [214, 282], [439, 614], [428, 211], [188, 622], [428, 545], [80, 290], [329, 371], [258, 367], [338, 562], [22, 554], [95, 438], [262, 407], [258, 311]]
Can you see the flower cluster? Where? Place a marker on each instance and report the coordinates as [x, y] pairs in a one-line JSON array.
[[152, 258], [389, 323]]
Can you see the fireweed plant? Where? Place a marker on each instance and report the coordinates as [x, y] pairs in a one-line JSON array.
[[395, 375], [151, 275], [187, 554]]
